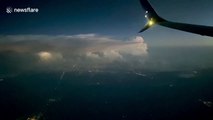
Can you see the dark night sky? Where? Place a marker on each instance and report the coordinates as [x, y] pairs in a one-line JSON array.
[[110, 17], [117, 18]]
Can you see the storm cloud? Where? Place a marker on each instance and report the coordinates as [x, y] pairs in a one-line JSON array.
[[83, 51], [91, 52]]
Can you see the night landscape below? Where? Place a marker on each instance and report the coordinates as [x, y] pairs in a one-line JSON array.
[[115, 96]]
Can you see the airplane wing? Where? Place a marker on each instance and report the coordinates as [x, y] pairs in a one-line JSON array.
[[154, 18], [144, 28], [197, 29]]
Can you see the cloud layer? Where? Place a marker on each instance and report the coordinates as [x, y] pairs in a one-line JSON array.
[[83, 51], [91, 52]]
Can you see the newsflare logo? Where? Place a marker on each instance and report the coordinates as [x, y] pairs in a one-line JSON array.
[[9, 9], [21, 10]]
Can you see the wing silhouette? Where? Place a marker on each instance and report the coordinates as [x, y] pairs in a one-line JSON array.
[[153, 19]]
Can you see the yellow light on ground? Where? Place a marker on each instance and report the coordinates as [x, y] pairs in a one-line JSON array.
[[45, 56]]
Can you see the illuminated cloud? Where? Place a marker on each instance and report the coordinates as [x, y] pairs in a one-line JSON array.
[[108, 49], [46, 56], [83, 50], [91, 52]]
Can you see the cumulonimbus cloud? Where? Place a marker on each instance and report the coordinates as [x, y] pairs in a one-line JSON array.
[[62, 51], [91, 52]]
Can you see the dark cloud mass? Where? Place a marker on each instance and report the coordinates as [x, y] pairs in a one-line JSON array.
[[91, 52]]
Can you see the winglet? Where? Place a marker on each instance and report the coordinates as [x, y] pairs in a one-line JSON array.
[[150, 15]]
